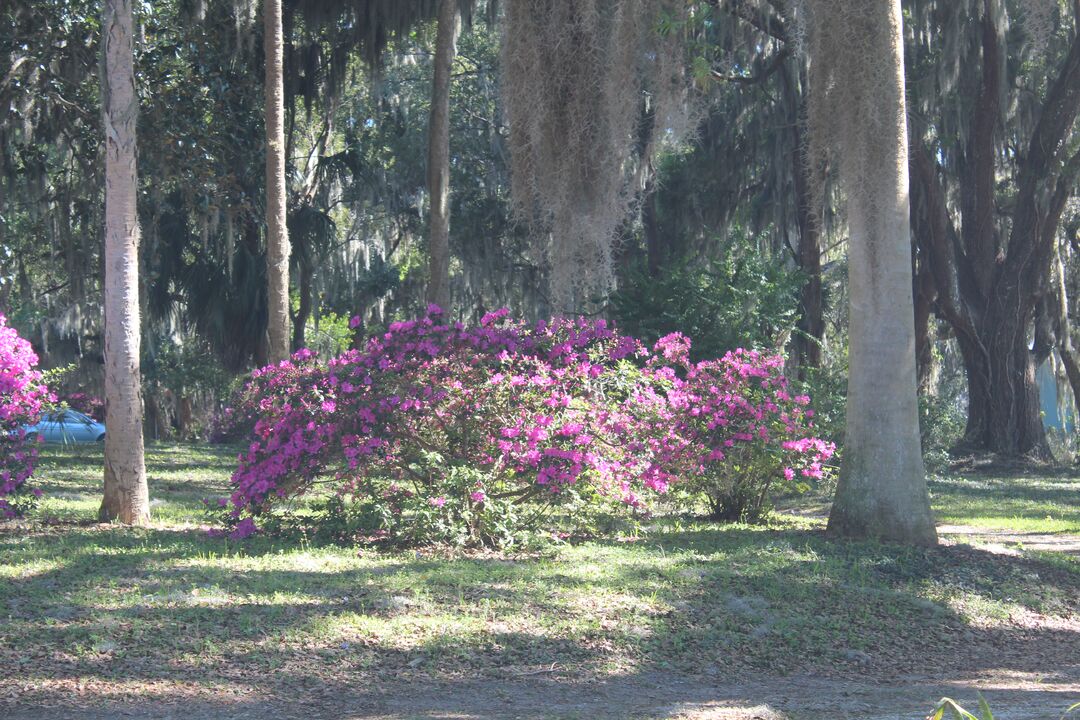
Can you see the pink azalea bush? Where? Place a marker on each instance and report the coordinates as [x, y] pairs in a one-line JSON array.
[[747, 433], [466, 434], [250, 402], [22, 396]]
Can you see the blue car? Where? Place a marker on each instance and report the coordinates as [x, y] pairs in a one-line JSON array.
[[67, 427]]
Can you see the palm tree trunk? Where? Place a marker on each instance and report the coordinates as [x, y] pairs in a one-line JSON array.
[[882, 490], [303, 312], [277, 238], [438, 290], [126, 496]]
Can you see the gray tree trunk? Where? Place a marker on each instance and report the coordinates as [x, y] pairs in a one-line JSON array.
[[438, 289], [126, 496], [277, 238], [882, 491]]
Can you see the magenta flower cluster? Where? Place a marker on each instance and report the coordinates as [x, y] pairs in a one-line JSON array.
[[534, 412], [746, 434], [22, 397]]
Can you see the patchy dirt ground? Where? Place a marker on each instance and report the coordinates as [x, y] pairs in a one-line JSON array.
[[1012, 543], [651, 695]]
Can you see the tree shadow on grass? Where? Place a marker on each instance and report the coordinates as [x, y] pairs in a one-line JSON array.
[[1062, 491], [710, 607]]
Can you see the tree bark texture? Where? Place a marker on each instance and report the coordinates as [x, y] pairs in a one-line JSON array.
[[811, 326], [303, 312], [126, 496], [807, 180], [277, 237], [882, 489], [928, 226], [1059, 311], [438, 170]]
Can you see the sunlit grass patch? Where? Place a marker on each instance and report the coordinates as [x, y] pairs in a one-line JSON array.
[[173, 604], [1016, 504]]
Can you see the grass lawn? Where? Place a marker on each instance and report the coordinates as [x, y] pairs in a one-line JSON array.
[[1023, 504], [92, 614]]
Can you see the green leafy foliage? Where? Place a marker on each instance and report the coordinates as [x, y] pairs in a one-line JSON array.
[[828, 387], [742, 299], [951, 706], [329, 334], [941, 424], [186, 368]]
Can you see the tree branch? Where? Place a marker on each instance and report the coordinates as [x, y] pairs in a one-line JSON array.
[[774, 64], [936, 236], [1035, 220], [765, 22]]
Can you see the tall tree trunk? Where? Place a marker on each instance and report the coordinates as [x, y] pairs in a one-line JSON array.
[[807, 181], [277, 237], [934, 239], [185, 415], [126, 496], [1004, 414], [1063, 327], [924, 344], [882, 490], [156, 423], [303, 312], [655, 247], [438, 170], [811, 326], [1021, 277]]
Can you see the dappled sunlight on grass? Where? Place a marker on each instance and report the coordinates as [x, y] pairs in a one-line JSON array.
[[30, 568], [180, 476], [1019, 504], [173, 604]]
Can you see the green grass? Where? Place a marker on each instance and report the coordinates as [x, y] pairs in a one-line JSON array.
[[179, 477], [1015, 504], [171, 610]]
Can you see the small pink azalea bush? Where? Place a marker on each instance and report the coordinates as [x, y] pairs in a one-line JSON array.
[[445, 432], [747, 431], [252, 400], [22, 396]]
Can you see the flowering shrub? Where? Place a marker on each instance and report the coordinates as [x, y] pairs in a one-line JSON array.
[[251, 401], [21, 398], [467, 434], [748, 435]]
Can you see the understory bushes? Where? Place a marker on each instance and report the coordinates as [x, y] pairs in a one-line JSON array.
[[435, 432], [22, 396], [742, 299]]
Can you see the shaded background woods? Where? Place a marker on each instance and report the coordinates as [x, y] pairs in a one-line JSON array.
[[716, 217]]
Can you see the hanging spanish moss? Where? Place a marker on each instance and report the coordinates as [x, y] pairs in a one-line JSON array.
[[831, 47], [1040, 19], [837, 38], [575, 77]]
